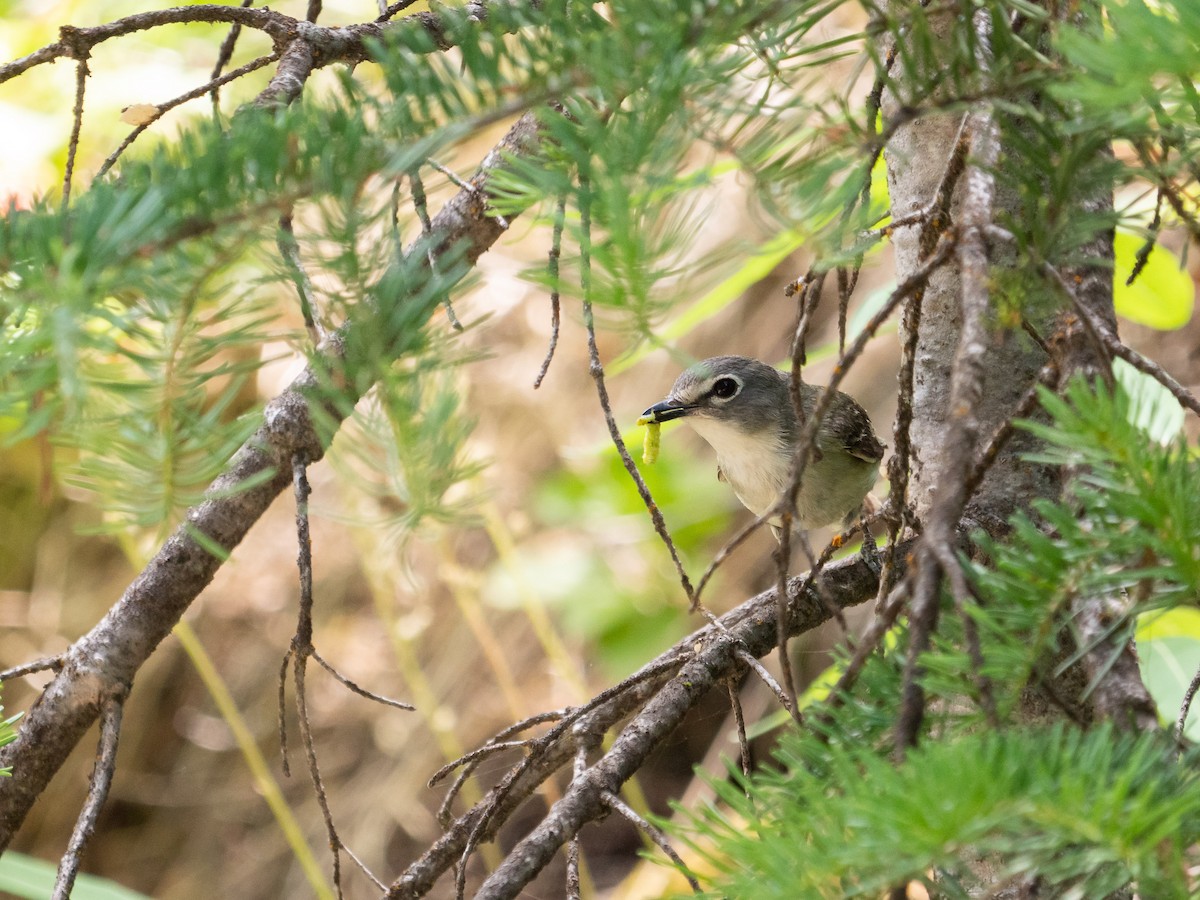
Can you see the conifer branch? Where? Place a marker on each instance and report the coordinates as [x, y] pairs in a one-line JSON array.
[[110, 655]]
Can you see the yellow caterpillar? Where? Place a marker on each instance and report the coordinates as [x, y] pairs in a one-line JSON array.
[[650, 441]]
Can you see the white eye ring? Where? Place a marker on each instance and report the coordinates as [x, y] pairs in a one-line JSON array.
[[725, 388]]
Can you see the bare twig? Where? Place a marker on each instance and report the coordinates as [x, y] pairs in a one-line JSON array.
[[672, 684], [991, 451], [361, 691], [1148, 367], [50, 663], [349, 44], [282, 713], [541, 761], [810, 299], [573, 849], [488, 749], [597, 371], [301, 650], [655, 834], [444, 809], [386, 12], [739, 718], [289, 250], [421, 205], [1114, 346], [101, 781], [1143, 254], [1186, 707], [224, 55], [162, 109], [786, 700], [81, 76], [560, 213]]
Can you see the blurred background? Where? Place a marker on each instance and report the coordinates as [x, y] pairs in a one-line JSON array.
[[536, 584]]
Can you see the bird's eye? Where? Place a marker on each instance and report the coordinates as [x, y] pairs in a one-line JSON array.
[[724, 388]]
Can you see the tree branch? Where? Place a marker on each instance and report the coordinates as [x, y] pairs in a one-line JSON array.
[[105, 660], [348, 44], [712, 654]]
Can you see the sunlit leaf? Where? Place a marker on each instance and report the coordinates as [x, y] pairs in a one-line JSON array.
[[1162, 296]]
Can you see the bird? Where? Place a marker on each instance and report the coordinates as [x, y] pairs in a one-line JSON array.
[[743, 408]]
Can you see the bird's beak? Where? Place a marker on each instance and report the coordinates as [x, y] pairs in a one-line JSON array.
[[664, 412]]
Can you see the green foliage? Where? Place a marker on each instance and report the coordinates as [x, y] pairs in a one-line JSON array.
[[1128, 526], [1087, 812], [27, 877], [403, 448]]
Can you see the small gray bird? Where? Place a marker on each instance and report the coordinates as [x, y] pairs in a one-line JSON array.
[[743, 408]]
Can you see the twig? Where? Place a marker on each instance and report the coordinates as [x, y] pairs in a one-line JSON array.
[[81, 75], [162, 109], [560, 213], [810, 299], [499, 738], [282, 714], [289, 249], [98, 787], [364, 868], [299, 666], [1148, 367], [573, 886], [421, 205], [1186, 707], [386, 12], [489, 749], [714, 658], [885, 617], [739, 718], [361, 691], [1113, 345], [1143, 254], [491, 805], [655, 834], [597, 371], [991, 451], [302, 649], [443, 815], [224, 55], [786, 700], [665, 689], [52, 663]]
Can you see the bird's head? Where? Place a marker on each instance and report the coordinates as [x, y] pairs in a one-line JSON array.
[[734, 391]]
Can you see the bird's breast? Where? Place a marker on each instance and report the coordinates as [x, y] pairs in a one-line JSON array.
[[755, 465], [758, 466]]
